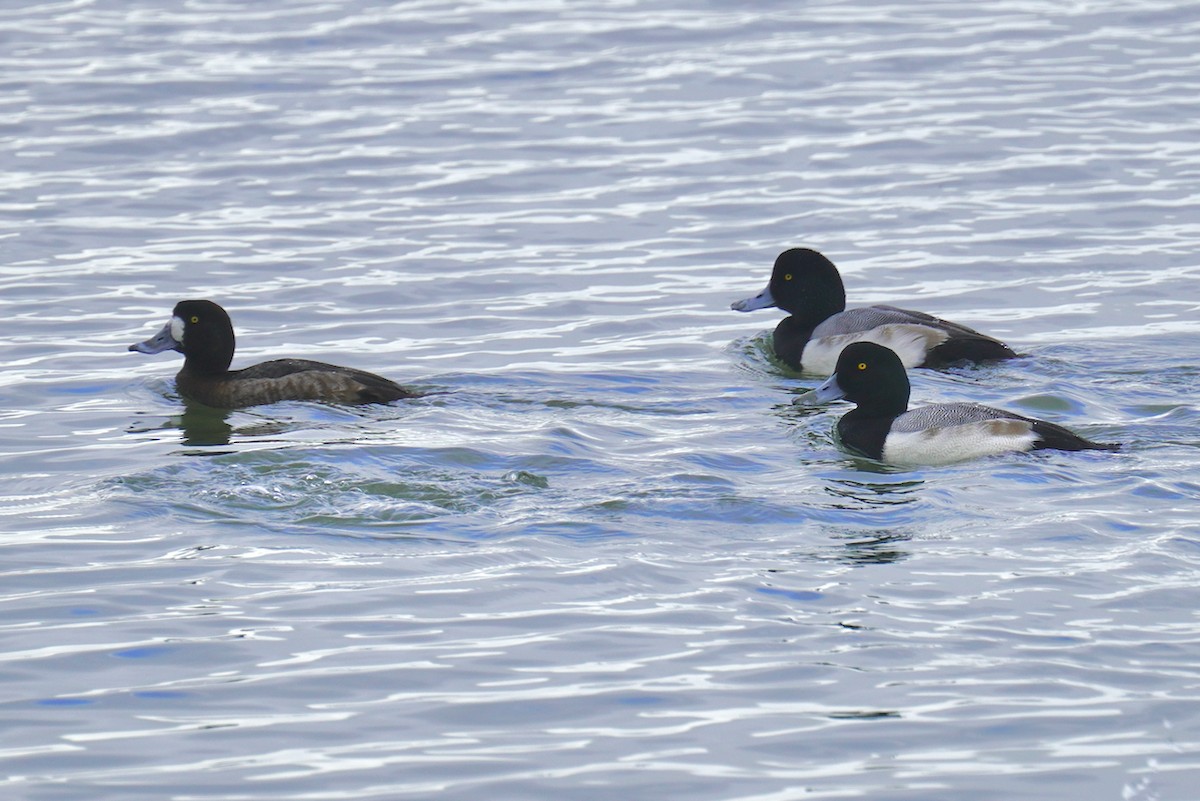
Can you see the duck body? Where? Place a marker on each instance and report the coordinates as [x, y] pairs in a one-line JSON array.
[[809, 287], [202, 331], [287, 379], [882, 426]]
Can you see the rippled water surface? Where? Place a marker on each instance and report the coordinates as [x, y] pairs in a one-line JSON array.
[[603, 556]]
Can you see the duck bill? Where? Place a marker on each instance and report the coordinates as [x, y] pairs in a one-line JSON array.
[[763, 300], [831, 390], [163, 340]]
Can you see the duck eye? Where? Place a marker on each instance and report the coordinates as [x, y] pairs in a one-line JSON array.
[[195, 319], [862, 365], [787, 277]]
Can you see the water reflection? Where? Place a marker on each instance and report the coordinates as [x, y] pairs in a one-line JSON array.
[[855, 547], [201, 426], [864, 714], [871, 547], [204, 426], [872, 493]]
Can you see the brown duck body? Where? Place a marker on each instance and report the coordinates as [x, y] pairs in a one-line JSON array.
[[202, 331], [287, 379]]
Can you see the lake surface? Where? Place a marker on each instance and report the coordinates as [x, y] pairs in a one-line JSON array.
[[603, 556]]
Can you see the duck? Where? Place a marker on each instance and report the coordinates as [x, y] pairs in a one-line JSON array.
[[882, 427], [202, 331], [807, 285]]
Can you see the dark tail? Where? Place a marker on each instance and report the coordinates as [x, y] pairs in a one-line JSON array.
[[1058, 438], [963, 349]]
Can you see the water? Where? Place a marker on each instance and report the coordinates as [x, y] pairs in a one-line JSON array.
[[603, 554]]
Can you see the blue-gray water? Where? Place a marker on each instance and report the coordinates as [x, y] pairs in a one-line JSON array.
[[602, 557]]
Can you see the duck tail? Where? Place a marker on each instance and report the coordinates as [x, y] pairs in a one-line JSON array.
[[1051, 435]]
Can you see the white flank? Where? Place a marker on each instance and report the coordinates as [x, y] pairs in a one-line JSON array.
[[910, 341], [959, 443]]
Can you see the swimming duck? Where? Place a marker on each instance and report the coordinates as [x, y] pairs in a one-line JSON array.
[[202, 331], [884, 428], [808, 285]]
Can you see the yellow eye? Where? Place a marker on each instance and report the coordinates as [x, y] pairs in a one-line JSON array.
[[195, 319], [787, 277], [862, 365]]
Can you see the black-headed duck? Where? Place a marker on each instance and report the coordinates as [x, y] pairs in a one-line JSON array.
[[202, 332], [809, 287], [883, 427]]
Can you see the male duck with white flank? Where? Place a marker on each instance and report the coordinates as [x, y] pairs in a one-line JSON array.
[[882, 426], [807, 285]]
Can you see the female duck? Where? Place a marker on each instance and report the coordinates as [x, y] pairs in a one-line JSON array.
[[807, 285], [202, 332], [883, 428]]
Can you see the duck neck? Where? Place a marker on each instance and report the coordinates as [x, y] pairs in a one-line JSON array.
[[865, 428], [215, 358], [886, 401]]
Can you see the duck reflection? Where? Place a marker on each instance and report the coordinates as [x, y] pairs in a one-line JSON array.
[[857, 493], [204, 425], [872, 547], [865, 500], [854, 547], [201, 426]]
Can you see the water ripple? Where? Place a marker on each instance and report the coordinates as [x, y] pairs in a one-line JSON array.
[[604, 553]]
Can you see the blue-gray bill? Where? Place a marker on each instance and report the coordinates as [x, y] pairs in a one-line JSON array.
[[828, 391], [763, 300], [163, 340]]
